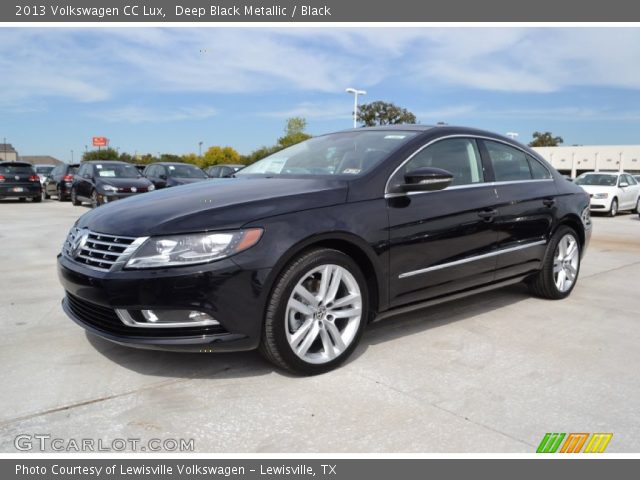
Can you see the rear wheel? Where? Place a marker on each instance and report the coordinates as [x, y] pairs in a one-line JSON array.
[[22, 199], [74, 198], [45, 195], [316, 314], [637, 210], [37, 199], [613, 211], [560, 266], [60, 194]]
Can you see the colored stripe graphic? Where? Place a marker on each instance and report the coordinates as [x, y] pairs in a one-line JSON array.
[[550, 443], [574, 443], [598, 443]]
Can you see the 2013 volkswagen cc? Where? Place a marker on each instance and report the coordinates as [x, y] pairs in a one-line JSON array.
[[299, 252]]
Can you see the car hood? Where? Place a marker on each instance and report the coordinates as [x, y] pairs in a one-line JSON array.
[[212, 205], [184, 180], [591, 189], [125, 182]]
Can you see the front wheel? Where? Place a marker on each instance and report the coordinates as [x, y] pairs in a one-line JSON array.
[[95, 202], [316, 314], [637, 210], [560, 266], [613, 211]]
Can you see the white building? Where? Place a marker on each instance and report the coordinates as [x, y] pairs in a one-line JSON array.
[[8, 153], [589, 158]]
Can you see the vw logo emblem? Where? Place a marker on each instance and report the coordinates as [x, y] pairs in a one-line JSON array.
[[134, 189], [17, 177], [78, 243]]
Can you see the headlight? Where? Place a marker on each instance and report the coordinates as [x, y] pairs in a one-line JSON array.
[[109, 188], [600, 195], [192, 249], [151, 188]]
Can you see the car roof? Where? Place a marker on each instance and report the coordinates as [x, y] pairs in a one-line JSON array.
[[118, 162], [16, 164], [172, 163], [227, 165]]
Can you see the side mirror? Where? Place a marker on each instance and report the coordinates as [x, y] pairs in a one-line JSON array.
[[623, 184], [426, 179]]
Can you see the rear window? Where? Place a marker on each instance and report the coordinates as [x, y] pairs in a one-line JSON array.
[[72, 170], [44, 170], [16, 170]]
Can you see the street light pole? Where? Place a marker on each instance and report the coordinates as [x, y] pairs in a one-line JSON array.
[[355, 103], [71, 156], [200, 149]]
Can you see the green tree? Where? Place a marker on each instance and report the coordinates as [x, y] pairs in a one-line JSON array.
[[294, 132], [545, 139], [216, 155], [384, 113], [103, 154], [191, 158], [259, 154]]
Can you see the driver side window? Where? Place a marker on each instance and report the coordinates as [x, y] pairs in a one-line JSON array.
[[459, 156]]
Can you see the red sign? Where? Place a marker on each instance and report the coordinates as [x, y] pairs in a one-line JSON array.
[[100, 141]]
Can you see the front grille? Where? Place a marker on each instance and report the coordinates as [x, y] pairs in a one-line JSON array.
[[98, 250], [106, 320]]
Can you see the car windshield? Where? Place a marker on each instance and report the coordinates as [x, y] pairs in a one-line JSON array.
[[348, 153], [185, 171], [597, 179], [115, 170], [44, 169], [16, 169]]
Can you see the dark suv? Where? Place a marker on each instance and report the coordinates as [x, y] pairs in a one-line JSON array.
[[18, 179], [59, 181], [167, 174], [101, 182]]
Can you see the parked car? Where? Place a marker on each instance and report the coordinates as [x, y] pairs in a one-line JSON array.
[[42, 171], [611, 191], [140, 167], [19, 180], [167, 174], [100, 182], [297, 263], [58, 183], [223, 170]]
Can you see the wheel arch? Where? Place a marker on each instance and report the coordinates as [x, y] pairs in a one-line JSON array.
[[350, 245], [575, 223]]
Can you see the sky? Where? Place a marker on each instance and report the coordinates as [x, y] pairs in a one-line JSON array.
[[164, 90]]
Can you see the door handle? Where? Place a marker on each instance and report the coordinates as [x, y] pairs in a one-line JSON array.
[[487, 215], [549, 202]]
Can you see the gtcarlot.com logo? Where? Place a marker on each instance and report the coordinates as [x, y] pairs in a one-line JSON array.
[[48, 443], [574, 442]]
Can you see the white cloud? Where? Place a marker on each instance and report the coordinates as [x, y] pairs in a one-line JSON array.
[[313, 110], [136, 114]]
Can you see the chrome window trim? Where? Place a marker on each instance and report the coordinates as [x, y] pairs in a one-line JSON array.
[[472, 259], [388, 194]]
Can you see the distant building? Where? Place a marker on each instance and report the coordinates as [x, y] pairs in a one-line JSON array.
[[592, 158], [40, 160], [8, 153]]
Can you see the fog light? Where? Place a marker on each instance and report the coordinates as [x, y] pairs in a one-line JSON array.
[[166, 318]]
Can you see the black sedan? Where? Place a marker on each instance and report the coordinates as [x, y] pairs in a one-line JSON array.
[[100, 182], [167, 174], [19, 180], [304, 248]]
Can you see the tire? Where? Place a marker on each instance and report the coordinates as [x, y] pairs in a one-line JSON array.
[[59, 194], [545, 283], [330, 337], [22, 199], [45, 195], [74, 198], [613, 211], [37, 199], [95, 203], [637, 210]]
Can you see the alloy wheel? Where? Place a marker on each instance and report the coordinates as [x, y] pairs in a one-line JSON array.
[[566, 262], [323, 314]]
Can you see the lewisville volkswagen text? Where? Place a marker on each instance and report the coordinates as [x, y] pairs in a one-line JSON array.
[[301, 250]]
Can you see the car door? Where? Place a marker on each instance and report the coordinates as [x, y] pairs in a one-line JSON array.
[[51, 182], [442, 241], [527, 205], [634, 188], [628, 192], [85, 182]]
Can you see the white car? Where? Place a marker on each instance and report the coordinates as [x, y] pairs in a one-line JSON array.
[[611, 191]]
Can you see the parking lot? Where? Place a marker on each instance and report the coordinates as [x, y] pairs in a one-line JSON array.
[[490, 373]]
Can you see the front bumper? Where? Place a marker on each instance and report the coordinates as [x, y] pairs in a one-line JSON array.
[[228, 293], [112, 197], [600, 204]]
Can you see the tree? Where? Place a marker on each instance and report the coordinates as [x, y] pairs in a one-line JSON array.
[[384, 113], [294, 132], [103, 154], [216, 155], [545, 139], [191, 158]]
